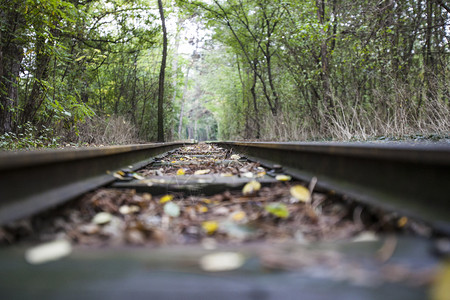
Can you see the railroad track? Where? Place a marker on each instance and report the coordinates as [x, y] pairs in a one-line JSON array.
[[33, 181], [217, 196]]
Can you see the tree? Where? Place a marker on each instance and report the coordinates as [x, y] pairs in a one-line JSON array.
[[162, 75]]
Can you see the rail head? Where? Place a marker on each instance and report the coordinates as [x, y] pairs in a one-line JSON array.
[[14, 160], [410, 152]]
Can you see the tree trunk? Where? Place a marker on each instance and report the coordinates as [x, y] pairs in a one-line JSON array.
[[11, 55], [162, 76], [186, 80], [255, 107], [324, 57]]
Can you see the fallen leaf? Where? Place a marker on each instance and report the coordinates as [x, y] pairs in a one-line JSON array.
[[227, 175], [277, 209], [221, 211], [402, 221], [206, 200], [181, 172], [48, 252], [102, 218], [235, 157], [238, 216], [300, 193], [365, 236], [172, 209], [251, 188], [247, 175], [210, 226], [283, 177], [119, 175], [166, 198], [440, 289], [125, 209], [202, 209], [222, 261], [202, 172], [261, 174]]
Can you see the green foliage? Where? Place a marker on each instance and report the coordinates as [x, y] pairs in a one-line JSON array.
[[275, 70], [326, 69], [79, 60], [29, 137]]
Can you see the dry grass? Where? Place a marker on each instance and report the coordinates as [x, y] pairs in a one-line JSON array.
[[395, 115], [114, 130]]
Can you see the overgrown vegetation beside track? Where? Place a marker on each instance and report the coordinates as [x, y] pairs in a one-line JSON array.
[[342, 70]]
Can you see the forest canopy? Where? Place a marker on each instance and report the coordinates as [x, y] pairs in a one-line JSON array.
[[90, 71]]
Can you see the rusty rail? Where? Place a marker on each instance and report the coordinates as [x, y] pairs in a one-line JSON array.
[[413, 180], [34, 181]]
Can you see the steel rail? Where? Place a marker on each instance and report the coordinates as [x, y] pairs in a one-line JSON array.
[[413, 180], [34, 181]]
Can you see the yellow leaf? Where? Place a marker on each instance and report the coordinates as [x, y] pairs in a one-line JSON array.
[[206, 200], [441, 285], [180, 172], [210, 226], [166, 198], [173, 162], [261, 174], [300, 193], [118, 175], [238, 216], [251, 188], [402, 221], [202, 172], [202, 209], [283, 177]]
